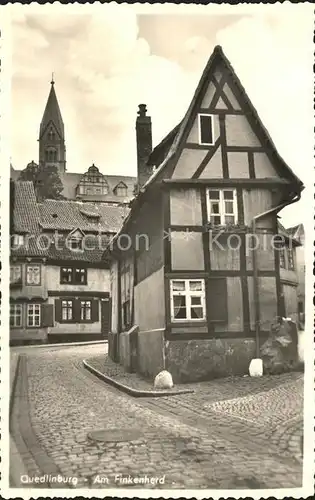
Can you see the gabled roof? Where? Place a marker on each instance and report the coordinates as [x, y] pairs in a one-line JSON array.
[[218, 57], [66, 215], [287, 234], [297, 232], [26, 220], [52, 114], [26, 214], [163, 147]]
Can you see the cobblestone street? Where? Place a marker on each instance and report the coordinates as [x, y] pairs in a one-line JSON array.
[[220, 437]]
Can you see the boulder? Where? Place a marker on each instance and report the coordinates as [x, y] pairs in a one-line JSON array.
[[279, 352], [163, 380]]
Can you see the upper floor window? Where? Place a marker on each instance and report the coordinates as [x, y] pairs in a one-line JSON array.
[[33, 315], [73, 275], [33, 274], [205, 128], [15, 315], [282, 258], [290, 258], [188, 300], [15, 274], [222, 206]]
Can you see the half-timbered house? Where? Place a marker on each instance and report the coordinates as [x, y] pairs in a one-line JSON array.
[[195, 272]]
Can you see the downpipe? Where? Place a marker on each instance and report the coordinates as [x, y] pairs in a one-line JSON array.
[[255, 266]]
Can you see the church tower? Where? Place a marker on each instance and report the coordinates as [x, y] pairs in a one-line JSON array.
[[52, 149]]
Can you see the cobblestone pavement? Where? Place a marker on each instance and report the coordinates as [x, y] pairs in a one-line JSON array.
[[194, 440]]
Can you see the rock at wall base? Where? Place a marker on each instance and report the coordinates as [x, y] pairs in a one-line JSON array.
[[279, 353], [256, 368], [163, 380]]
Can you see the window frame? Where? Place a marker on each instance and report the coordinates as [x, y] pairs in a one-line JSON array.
[[77, 240], [222, 213], [67, 308], [14, 315], [73, 272], [84, 308], [37, 315], [27, 282], [188, 294], [210, 115]]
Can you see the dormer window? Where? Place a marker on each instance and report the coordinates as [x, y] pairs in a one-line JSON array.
[[205, 129], [74, 240], [75, 243], [121, 190], [18, 240]]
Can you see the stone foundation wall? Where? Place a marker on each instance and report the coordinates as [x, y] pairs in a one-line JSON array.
[[151, 352], [196, 360]]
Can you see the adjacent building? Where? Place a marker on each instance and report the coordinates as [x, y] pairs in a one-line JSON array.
[[197, 276], [59, 283]]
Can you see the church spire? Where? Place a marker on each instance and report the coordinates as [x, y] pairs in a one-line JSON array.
[[52, 149], [52, 113]]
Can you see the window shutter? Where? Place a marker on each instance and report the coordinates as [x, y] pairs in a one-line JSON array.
[[217, 300], [58, 310], [47, 315], [76, 310], [95, 310]]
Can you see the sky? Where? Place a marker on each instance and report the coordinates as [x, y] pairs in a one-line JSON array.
[[107, 59]]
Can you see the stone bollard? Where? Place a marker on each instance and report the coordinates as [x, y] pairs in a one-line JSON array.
[[163, 380]]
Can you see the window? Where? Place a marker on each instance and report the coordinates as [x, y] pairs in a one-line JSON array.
[[282, 258], [18, 240], [222, 206], [121, 191], [85, 309], [187, 300], [15, 315], [66, 275], [51, 155], [33, 275], [206, 129], [73, 275], [15, 274], [51, 135], [74, 243], [33, 315], [290, 259], [66, 310]]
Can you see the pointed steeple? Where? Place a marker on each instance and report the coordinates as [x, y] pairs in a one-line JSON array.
[[52, 148], [52, 113]]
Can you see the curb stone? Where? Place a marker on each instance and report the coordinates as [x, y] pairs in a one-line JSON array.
[[61, 344], [129, 390]]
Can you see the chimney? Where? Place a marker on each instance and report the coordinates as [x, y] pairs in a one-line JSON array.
[[144, 144]]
